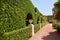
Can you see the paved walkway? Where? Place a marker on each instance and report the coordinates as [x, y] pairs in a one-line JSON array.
[[46, 33]]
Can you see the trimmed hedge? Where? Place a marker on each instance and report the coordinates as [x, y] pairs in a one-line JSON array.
[[13, 17], [56, 26], [13, 14], [21, 34], [37, 27]]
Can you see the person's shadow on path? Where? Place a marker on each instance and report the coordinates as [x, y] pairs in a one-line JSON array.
[[52, 36]]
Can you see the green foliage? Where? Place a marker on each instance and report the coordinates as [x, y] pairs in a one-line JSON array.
[[54, 16], [13, 14], [37, 27], [21, 34], [56, 26], [57, 6], [44, 19], [58, 0]]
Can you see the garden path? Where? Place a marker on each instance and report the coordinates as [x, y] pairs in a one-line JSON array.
[[46, 33]]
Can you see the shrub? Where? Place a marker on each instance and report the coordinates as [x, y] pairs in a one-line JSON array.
[[13, 14], [56, 26], [37, 27], [21, 34]]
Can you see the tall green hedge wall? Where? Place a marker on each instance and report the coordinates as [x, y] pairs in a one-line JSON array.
[[13, 14]]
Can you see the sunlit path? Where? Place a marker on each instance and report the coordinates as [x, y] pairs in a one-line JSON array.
[[46, 33]]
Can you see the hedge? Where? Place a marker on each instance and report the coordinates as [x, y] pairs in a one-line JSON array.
[[20, 34], [37, 27], [56, 26], [13, 14], [13, 17]]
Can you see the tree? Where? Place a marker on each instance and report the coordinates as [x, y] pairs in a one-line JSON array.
[[58, 0]]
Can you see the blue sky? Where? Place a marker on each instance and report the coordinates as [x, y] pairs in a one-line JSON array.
[[44, 6]]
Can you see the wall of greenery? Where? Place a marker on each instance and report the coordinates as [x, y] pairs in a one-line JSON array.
[[13, 17], [13, 14]]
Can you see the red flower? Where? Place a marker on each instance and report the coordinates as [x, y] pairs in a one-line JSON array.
[[58, 15]]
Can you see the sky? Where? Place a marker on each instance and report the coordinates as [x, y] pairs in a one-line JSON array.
[[44, 6]]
